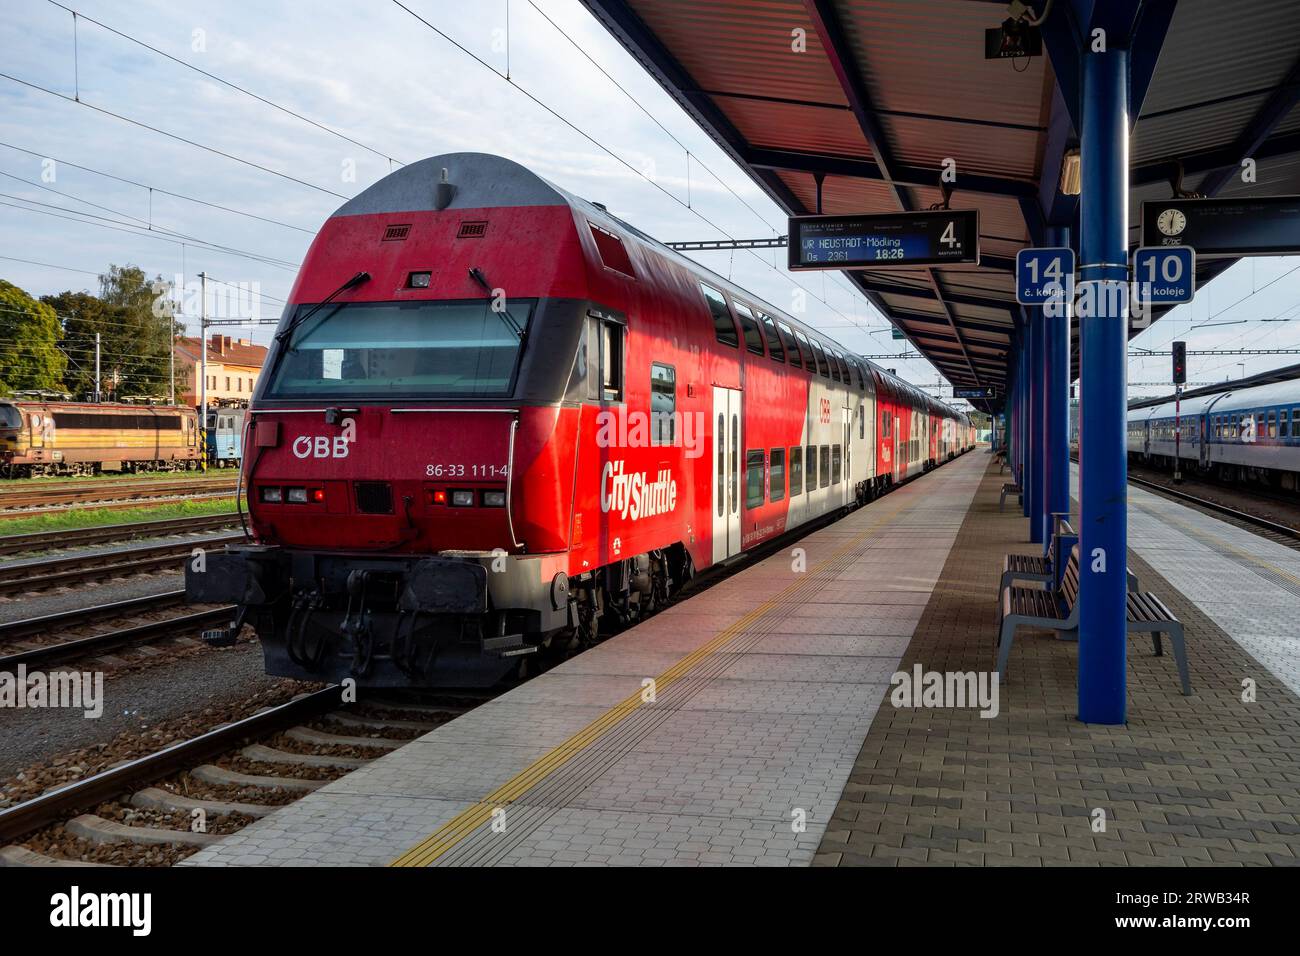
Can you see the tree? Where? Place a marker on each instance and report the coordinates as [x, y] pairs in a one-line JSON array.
[[138, 360], [83, 315], [29, 343]]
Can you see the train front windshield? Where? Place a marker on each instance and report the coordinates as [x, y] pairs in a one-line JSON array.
[[10, 417], [411, 349]]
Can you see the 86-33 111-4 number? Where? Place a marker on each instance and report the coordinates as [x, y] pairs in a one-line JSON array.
[[464, 471]]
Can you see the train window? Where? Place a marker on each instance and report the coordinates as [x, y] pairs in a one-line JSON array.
[[722, 461], [822, 368], [749, 326], [775, 350], [835, 366], [723, 327], [735, 442], [796, 470], [1283, 430], [824, 463], [663, 404], [843, 373], [611, 250], [884, 423], [1272, 424], [810, 466], [787, 336], [805, 350], [835, 464], [862, 421], [406, 349], [776, 474], [611, 361], [754, 478], [1295, 422]]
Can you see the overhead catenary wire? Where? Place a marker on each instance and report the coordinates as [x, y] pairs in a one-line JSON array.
[[601, 146], [158, 189], [170, 135], [227, 83]]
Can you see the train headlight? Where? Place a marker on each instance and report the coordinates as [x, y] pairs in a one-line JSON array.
[[273, 494], [494, 499], [298, 495], [462, 499]]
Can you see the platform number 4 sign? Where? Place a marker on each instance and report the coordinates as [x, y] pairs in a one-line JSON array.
[[1044, 275], [1164, 275]]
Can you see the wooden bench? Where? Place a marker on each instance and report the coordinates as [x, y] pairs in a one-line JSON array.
[[1009, 487], [1058, 610], [1046, 568]]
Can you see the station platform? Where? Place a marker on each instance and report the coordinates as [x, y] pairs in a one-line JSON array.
[[765, 684], [771, 739]]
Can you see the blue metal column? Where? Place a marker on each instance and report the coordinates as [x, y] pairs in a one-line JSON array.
[[1037, 444], [1056, 401], [1026, 436], [1103, 318]]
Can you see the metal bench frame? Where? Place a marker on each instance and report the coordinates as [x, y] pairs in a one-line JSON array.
[[1058, 610], [1007, 488]]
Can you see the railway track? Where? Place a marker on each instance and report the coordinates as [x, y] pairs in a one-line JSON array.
[[78, 537], [22, 576], [1283, 533], [137, 785], [20, 501], [46, 655]]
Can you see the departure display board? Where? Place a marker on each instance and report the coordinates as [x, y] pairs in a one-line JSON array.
[[884, 240], [1262, 226]]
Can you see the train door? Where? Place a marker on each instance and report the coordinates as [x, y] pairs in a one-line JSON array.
[[37, 428], [726, 472], [900, 466], [846, 436]]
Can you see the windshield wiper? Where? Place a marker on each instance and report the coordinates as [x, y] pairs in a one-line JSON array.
[[282, 337], [477, 275]]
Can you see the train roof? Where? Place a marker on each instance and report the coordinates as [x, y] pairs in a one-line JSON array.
[[1261, 396], [484, 181], [97, 406]]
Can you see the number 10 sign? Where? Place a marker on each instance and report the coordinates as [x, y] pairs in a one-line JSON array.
[[1164, 275]]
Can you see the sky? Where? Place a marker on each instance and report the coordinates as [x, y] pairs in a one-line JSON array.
[[377, 88]]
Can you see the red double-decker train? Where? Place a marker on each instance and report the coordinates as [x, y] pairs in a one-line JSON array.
[[497, 420]]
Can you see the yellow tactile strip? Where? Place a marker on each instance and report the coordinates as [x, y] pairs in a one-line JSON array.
[[528, 781]]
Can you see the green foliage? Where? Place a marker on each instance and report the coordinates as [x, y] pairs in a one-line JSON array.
[[133, 328], [70, 518], [29, 340], [83, 315]]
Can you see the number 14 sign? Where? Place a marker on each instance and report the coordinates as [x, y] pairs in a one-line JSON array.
[[1044, 275]]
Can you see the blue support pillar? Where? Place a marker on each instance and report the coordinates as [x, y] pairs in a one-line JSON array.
[[1056, 400], [1026, 453], [1103, 317], [1037, 444]]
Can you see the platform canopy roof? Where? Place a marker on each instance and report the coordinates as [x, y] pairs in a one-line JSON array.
[[887, 90]]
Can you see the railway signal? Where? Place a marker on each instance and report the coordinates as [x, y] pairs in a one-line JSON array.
[[1180, 378]]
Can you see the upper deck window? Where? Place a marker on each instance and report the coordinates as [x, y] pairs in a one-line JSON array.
[[775, 350], [749, 325], [723, 325], [420, 349], [611, 250]]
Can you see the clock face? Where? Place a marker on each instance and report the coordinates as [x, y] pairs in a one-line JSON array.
[[1171, 222]]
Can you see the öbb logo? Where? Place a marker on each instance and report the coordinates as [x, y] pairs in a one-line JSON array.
[[320, 446]]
